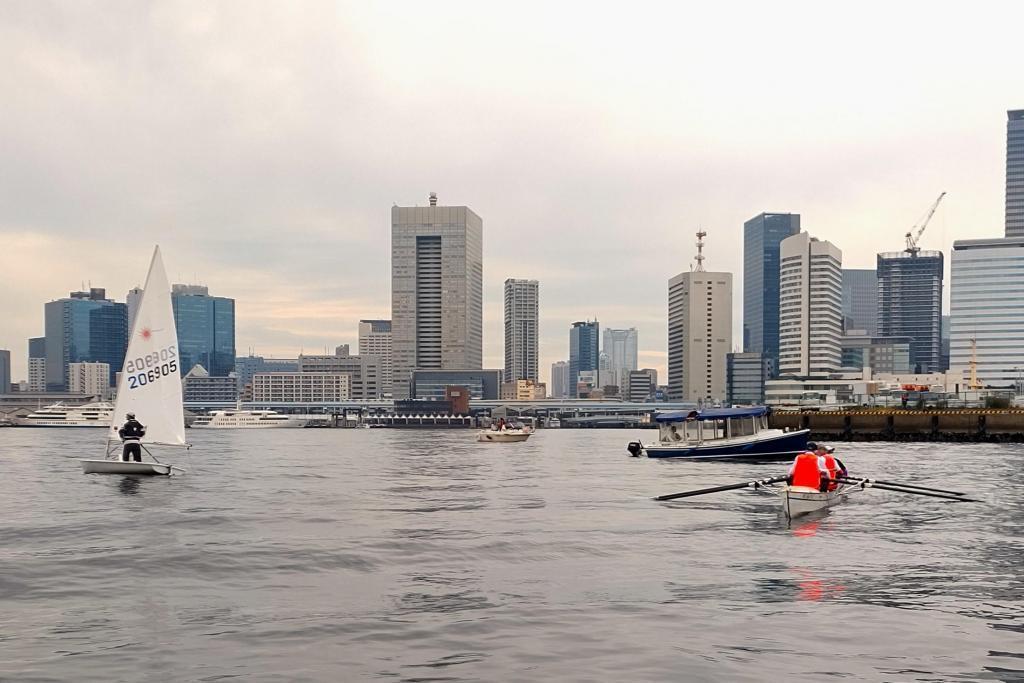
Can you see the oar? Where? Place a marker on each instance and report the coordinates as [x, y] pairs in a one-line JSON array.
[[716, 489], [906, 486], [867, 483]]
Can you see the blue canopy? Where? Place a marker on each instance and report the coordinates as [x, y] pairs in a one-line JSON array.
[[709, 414]]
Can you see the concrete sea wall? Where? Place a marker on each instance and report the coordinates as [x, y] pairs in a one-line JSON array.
[[907, 425]]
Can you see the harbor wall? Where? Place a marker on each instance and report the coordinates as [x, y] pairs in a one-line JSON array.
[[978, 425]]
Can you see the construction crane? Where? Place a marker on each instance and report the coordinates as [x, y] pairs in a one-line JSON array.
[[913, 236]]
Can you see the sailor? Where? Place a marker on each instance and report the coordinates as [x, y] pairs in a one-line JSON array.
[[809, 470], [131, 434]]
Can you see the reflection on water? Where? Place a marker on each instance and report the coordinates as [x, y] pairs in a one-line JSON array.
[[129, 485]]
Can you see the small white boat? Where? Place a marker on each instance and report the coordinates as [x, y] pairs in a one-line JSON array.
[[801, 500], [504, 435], [150, 383], [247, 419]]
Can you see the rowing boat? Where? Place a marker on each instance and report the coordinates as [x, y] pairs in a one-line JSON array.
[[800, 500]]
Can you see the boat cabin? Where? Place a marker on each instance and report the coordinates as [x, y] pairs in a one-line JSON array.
[[701, 426]]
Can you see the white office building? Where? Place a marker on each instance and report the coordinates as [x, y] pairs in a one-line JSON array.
[[91, 379], [619, 346], [810, 307], [522, 322], [375, 340], [560, 379], [300, 387], [37, 374]]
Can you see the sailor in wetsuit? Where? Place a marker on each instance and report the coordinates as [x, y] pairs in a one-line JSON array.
[[131, 434]]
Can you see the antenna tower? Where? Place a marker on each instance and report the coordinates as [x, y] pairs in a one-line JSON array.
[[701, 234]]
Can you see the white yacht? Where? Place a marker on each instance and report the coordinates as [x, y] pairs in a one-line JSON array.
[[96, 414], [247, 419]]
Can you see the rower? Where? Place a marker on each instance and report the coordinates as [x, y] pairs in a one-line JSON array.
[[835, 468], [809, 470]]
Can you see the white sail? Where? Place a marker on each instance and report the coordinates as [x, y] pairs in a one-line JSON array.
[[150, 383]]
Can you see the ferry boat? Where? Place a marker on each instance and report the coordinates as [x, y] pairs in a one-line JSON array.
[[246, 419], [721, 434], [95, 414]]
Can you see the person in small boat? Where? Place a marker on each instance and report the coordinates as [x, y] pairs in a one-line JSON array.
[[131, 434], [835, 468], [809, 470]]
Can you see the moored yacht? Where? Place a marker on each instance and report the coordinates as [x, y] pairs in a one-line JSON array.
[[246, 419], [96, 414]]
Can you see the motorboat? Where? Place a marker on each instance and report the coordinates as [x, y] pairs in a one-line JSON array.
[[505, 434], [95, 414], [721, 434], [247, 419]]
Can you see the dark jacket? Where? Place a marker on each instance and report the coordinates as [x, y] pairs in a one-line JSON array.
[[132, 430]]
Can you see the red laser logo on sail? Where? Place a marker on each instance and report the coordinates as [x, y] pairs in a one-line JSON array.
[[146, 333]]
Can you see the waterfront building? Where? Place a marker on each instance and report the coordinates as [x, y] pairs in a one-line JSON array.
[[762, 236], [5, 371], [522, 324], [92, 379], [584, 338], [1015, 173], [300, 387], [810, 307], [199, 385], [910, 303], [363, 371], [247, 366], [641, 385], [881, 354], [860, 300], [375, 340], [84, 327], [37, 365], [436, 290], [431, 384], [523, 390], [132, 301], [987, 309], [746, 374], [206, 329], [620, 348], [699, 332], [560, 379]]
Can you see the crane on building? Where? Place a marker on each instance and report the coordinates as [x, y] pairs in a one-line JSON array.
[[915, 233]]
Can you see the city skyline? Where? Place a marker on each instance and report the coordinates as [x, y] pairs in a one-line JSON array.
[[289, 216]]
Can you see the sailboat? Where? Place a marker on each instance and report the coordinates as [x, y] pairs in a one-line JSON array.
[[150, 382]]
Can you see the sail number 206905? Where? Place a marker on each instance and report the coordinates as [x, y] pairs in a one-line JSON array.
[[151, 367]]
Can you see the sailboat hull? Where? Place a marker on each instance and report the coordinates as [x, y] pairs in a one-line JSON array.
[[120, 467]]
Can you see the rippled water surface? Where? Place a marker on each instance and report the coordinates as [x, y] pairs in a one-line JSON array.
[[421, 555]]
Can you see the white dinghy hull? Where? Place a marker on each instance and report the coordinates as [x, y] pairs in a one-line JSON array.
[[120, 467], [502, 437], [801, 500]]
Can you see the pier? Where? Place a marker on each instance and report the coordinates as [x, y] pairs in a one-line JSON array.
[[970, 425]]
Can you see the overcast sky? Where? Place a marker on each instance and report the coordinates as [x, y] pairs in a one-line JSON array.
[[263, 144]]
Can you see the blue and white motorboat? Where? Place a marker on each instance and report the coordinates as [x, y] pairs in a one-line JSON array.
[[721, 434]]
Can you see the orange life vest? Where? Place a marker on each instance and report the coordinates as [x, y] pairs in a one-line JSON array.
[[833, 471], [805, 471]]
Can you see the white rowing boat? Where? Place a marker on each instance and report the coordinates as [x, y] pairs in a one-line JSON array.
[[801, 500]]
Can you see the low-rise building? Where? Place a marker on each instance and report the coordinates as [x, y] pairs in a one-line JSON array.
[[746, 374], [364, 371], [300, 387], [92, 379], [881, 354], [430, 384], [523, 390], [198, 385], [641, 385]]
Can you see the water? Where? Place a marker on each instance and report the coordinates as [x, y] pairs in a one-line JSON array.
[[326, 555]]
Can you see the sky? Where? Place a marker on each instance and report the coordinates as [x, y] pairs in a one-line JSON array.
[[262, 145]]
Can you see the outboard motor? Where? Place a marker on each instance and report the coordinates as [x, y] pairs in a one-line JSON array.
[[635, 448]]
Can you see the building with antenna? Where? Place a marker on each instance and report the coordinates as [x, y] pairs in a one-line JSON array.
[[699, 332]]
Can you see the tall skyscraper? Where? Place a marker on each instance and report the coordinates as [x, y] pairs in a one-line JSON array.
[[584, 340], [84, 327], [620, 346], [5, 371], [132, 300], [762, 236], [375, 340], [37, 364], [860, 300], [436, 290], [811, 308], [910, 304], [522, 324], [206, 329], [1015, 173], [699, 333], [560, 379], [987, 309]]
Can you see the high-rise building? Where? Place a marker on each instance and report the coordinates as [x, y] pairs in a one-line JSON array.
[[37, 364], [910, 304], [1015, 173], [560, 379], [860, 300], [745, 377], [987, 309], [584, 340], [436, 290], [91, 379], [522, 324], [132, 300], [762, 236], [84, 327], [375, 340], [641, 385], [620, 347], [5, 371], [811, 307], [206, 329], [699, 334]]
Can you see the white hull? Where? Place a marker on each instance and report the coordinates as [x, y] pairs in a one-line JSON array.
[[502, 437], [289, 424], [119, 467], [801, 500], [23, 422]]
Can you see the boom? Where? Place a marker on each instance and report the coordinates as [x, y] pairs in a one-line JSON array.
[[913, 237]]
